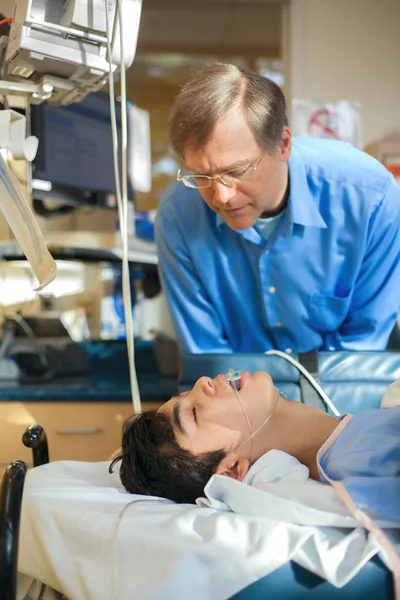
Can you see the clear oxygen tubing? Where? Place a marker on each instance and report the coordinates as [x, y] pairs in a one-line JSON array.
[[122, 200], [325, 398], [233, 377]]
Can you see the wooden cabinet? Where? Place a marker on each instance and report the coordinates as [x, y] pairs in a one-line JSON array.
[[88, 431]]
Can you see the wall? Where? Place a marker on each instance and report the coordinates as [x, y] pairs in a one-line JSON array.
[[213, 26], [348, 49], [7, 7]]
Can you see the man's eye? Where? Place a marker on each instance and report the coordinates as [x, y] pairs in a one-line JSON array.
[[237, 172], [194, 414]]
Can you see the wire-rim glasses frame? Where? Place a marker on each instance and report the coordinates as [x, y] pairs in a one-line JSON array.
[[227, 178]]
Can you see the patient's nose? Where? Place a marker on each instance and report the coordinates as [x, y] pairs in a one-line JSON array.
[[205, 385]]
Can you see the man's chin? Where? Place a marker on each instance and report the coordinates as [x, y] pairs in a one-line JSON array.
[[238, 222]]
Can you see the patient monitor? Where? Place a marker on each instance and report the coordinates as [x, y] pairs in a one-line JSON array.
[[59, 51]]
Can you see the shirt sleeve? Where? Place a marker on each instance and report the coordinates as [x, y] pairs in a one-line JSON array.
[[376, 295], [197, 324]]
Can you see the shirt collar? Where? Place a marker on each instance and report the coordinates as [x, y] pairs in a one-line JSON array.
[[302, 209]]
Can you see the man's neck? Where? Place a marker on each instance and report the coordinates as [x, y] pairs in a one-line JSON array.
[[298, 430]]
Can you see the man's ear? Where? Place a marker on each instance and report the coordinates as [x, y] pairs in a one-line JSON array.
[[233, 467], [286, 144]]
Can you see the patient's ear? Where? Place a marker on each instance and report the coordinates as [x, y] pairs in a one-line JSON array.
[[234, 467], [115, 454]]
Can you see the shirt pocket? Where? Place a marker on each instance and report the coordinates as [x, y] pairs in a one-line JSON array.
[[328, 312]]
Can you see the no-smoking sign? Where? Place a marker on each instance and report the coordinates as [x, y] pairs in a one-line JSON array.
[[339, 121], [322, 123]]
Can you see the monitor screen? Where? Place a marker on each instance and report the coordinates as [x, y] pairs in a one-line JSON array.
[[75, 144]]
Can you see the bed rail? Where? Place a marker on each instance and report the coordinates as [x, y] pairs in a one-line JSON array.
[[35, 438], [12, 485]]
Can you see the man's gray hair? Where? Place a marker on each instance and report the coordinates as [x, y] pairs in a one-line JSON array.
[[212, 92]]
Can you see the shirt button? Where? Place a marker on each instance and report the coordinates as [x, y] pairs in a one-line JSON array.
[[288, 351], [279, 324], [272, 289]]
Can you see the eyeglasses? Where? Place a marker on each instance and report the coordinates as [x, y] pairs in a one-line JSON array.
[[229, 178]]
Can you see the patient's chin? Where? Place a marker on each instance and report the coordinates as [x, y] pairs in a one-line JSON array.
[[265, 386]]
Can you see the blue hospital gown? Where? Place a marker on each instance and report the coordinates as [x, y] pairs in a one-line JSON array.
[[365, 458]]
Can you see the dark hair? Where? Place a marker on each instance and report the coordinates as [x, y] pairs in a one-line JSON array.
[[153, 463], [212, 92]]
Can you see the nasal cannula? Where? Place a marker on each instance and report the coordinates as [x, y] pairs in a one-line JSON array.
[[234, 377]]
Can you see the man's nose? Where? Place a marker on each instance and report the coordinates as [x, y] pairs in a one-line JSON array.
[[222, 193]]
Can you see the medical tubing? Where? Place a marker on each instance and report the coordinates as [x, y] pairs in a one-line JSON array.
[[269, 416], [232, 382], [260, 426], [309, 377], [125, 261], [123, 203], [112, 113]]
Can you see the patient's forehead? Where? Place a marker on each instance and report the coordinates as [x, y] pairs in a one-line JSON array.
[[170, 403], [181, 394]]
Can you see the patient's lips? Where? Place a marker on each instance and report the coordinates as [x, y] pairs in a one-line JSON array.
[[233, 378], [245, 376], [236, 378]]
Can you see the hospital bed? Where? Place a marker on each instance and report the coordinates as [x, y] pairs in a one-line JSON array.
[[354, 381]]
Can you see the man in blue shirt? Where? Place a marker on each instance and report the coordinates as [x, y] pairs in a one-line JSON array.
[[271, 242]]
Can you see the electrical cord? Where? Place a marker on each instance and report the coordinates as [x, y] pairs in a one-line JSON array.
[[48, 213], [3, 21], [3, 48], [122, 198], [325, 398]]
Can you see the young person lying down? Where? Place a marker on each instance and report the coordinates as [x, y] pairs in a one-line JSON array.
[[216, 429]]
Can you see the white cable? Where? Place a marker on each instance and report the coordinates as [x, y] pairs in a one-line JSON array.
[[126, 290], [113, 119], [309, 377], [122, 202]]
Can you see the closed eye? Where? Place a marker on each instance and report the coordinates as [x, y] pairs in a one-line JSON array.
[[194, 414], [237, 172]]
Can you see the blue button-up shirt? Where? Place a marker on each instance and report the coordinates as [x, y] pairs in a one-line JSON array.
[[328, 278]]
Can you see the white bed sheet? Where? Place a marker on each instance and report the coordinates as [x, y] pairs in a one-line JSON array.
[[84, 536]]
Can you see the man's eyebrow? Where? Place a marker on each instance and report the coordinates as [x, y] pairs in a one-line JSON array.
[[177, 416], [232, 167]]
